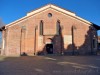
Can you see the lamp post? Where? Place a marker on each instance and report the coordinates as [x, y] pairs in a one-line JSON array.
[[72, 29]]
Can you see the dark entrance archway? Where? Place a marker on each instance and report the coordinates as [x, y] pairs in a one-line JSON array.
[[49, 48]]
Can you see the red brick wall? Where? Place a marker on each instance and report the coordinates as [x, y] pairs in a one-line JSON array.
[[19, 42]]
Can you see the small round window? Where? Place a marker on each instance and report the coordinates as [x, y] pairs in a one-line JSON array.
[[49, 15]]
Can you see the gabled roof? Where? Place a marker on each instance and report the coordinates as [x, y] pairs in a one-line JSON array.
[[50, 6], [67, 12]]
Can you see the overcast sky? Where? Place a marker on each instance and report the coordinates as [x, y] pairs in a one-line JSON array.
[[11, 10]]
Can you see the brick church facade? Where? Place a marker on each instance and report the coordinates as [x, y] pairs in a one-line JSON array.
[[49, 30]]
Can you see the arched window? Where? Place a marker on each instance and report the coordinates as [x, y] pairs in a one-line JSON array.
[[41, 27], [58, 27]]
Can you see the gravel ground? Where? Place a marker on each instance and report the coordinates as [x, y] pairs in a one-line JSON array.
[[50, 65]]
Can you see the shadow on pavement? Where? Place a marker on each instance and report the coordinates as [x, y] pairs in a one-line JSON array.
[[50, 65]]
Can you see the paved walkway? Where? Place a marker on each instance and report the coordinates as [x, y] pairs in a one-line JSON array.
[[50, 65]]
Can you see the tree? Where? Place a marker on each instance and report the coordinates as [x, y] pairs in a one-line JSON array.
[[1, 24]]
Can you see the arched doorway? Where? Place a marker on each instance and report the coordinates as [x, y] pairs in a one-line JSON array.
[[49, 46]]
